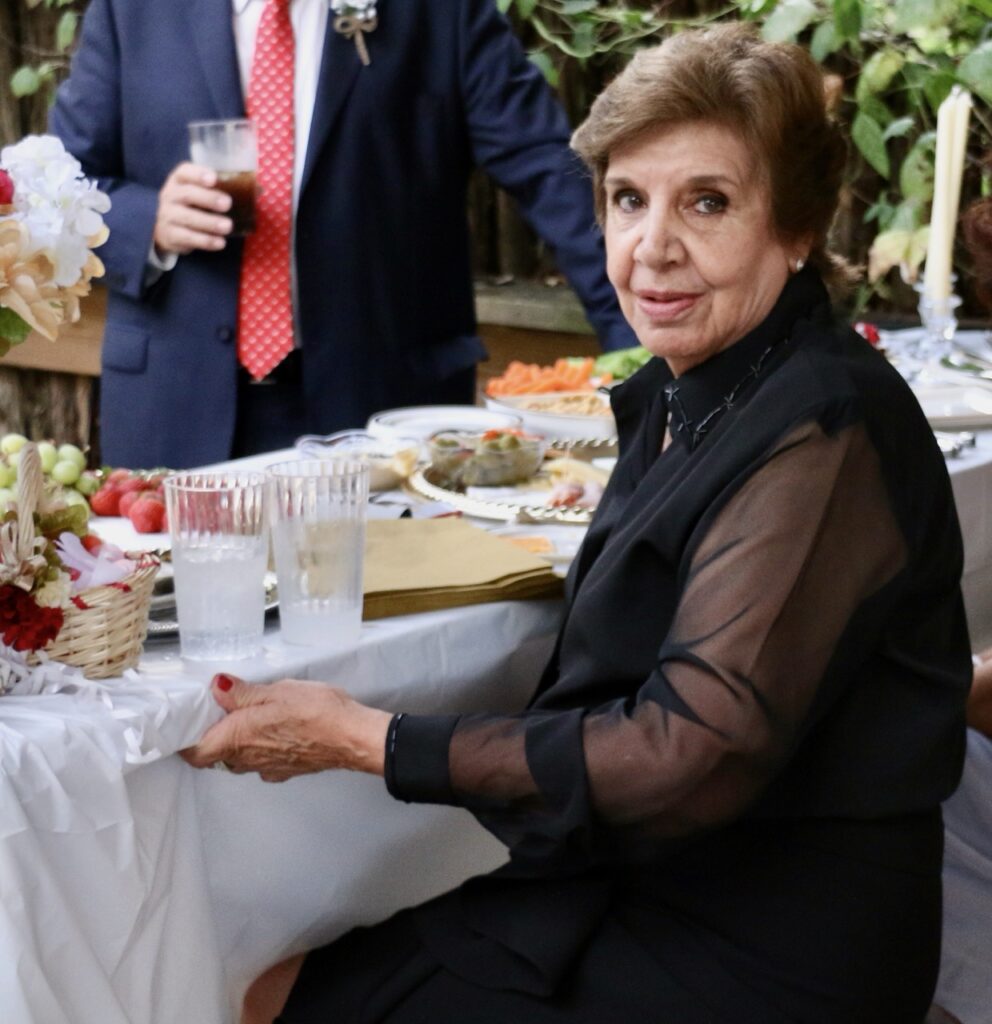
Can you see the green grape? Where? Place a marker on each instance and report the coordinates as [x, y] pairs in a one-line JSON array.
[[65, 472], [48, 455], [7, 475], [70, 453], [71, 498], [11, 443], [88, 483], [7, 496]]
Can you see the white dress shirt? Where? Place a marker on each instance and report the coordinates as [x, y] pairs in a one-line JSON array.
[[309, 18]]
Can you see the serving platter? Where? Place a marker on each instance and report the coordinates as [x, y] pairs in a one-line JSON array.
[[500, 506]]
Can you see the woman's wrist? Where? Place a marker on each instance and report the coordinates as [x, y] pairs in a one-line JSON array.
[[369, 739]]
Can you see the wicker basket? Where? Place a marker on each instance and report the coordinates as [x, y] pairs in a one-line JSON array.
[[104, 627]]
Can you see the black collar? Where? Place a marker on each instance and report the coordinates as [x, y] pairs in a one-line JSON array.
[[698, 399]]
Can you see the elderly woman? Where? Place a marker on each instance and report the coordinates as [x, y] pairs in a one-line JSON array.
[[965, 984], [723, 803]]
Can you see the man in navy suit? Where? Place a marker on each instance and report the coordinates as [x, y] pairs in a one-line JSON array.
[[382, 302]]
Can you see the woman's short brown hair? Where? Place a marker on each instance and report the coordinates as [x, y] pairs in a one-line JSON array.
[[978, 241], [769, 94]]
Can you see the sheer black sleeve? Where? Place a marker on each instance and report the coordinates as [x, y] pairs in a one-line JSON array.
[[772, 580]]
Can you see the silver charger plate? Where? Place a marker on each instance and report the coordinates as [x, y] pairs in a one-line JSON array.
[[584, 447], [505, 509], [162, 621]]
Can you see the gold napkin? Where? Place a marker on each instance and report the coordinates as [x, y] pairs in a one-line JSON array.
[[419, 565]]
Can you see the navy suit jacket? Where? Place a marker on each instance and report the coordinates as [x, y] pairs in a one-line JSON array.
[[385, 305]]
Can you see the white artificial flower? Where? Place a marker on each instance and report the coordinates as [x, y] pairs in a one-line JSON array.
[[60, 208], [362, 8], [53, 593]]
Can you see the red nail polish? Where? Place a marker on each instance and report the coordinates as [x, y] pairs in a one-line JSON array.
[[223, 682]]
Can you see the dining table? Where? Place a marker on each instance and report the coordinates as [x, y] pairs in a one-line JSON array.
[[135, 889]]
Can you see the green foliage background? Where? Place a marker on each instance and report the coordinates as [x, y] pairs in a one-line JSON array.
[[44, 71], [894, 63]]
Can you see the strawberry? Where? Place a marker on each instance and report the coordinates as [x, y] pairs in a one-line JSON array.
[[6, 189], [106, 501], [133, 483], [116, 475], [128, 498], [147, 516], [92, 543]]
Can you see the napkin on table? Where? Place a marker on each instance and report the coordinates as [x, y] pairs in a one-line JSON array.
[[417, 565]]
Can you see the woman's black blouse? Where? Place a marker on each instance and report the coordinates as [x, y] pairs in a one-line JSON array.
[[764, 632]]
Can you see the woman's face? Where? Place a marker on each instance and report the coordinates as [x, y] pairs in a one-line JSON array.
[[689, 241]]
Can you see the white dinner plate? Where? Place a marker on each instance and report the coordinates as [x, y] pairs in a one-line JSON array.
[[391, 459], [420, 421], [955, 406]]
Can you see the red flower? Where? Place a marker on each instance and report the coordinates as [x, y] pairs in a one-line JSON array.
[[868, 331], [24, 624], [6, 188]]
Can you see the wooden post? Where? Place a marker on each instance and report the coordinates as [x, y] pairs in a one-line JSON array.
[[48, 389], [10, 114]]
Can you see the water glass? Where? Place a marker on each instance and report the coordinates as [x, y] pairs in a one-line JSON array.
[[318, 511], [220, 547]]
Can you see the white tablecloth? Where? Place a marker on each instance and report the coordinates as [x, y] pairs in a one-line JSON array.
[[134, 890], [971, 479]]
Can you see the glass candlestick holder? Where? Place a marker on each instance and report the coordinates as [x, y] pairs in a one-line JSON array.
[[939, 319]]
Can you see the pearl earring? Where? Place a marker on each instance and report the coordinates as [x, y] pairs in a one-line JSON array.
[[800, 263]]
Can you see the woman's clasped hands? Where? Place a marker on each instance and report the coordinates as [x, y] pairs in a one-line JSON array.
[[289, 728]]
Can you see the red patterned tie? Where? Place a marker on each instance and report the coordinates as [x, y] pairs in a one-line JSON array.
[[265, 304]]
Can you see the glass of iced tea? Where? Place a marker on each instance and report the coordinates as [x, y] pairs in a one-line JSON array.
[[229, 148]]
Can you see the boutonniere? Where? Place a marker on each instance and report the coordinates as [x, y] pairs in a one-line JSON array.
[[353, 18]]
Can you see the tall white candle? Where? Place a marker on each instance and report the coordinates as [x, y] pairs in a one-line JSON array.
[[952, 133], [959, 146]]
